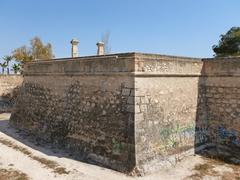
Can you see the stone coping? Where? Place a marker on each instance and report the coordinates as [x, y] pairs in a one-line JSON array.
[[123, 55]]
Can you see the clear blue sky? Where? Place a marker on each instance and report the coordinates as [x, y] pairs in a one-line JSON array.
[[174, 27]]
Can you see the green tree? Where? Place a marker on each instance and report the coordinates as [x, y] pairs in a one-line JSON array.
[[229, 44], [36, 51], [7, 60], [16, 68]]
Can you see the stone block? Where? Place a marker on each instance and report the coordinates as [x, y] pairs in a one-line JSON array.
[[125, 92]]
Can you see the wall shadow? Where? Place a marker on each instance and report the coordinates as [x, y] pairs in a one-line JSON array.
[[215, 135], [30, 141]]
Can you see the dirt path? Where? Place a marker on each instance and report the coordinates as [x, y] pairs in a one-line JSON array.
[[22, 159]]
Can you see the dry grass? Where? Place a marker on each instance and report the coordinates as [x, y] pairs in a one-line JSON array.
[[204, 169], [10, 174], [207, 169], [47, 163]]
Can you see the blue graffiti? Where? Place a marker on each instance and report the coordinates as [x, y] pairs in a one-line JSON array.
[[224, 133], [229, 135], [201, 135]]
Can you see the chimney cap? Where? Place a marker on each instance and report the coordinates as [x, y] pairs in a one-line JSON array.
[[74, 41], [100, 43]]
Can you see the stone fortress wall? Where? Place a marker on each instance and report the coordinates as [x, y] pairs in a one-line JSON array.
[[81, 104], [132, 112], [166, 92], [218, 123]]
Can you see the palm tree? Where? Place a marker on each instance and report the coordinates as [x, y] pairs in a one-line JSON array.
[[7, 59], [3, 65]]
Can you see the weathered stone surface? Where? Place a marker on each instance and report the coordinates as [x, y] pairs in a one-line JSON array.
[[218, 110], [168, 124], [84, 120]]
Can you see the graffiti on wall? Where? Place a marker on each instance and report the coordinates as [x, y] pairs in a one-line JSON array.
[[201, 135], [174, 138], [228, 137]]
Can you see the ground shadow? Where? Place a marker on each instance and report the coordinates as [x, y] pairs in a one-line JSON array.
[[48, 149], [27, 140]]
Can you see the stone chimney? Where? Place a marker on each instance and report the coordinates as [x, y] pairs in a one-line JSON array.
[[100, 48], [74, 43]]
